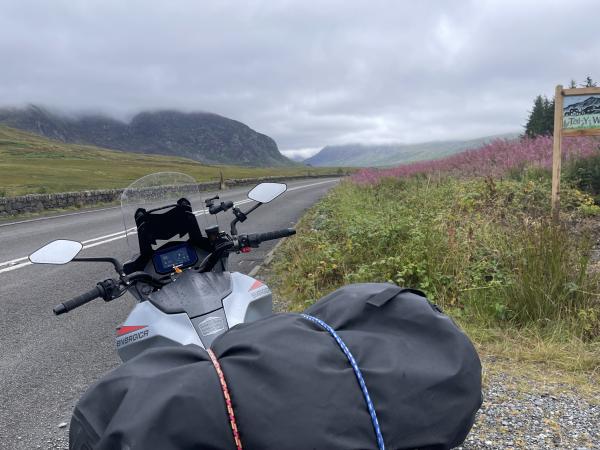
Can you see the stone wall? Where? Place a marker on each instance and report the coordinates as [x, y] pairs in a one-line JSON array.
[[32, 203]]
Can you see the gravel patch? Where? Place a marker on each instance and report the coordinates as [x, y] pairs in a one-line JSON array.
[[520, 413]]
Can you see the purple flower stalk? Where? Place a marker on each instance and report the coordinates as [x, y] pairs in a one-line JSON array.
[[494, 159]]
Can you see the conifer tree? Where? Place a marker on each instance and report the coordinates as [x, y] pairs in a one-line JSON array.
[[589, 82], [548, 123], [541, 117]]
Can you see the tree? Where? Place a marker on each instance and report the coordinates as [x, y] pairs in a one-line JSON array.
[[541, 118], [589, 82], [548, 123]]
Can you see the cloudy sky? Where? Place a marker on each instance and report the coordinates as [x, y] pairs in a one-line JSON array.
[[307, 73]]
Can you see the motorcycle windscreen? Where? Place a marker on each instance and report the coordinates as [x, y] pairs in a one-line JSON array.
[[159, 194]]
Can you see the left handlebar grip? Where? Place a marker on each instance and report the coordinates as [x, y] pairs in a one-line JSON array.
[[76, 302]]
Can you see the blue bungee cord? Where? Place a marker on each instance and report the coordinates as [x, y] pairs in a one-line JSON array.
[[359, 377]]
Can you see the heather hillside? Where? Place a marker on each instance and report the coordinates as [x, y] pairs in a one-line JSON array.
[[498, 158], [362, 155], [473, 232]]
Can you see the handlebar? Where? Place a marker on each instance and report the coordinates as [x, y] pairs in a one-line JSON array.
[[240, 243], [108, 289], [224, 206], [82, 299], [253, 240]]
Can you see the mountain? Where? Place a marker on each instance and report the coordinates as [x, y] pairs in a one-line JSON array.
[[359, 155], [204, 137], [33, 164]]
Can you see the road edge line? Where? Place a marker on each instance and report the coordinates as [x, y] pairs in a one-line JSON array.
[[267, 259]]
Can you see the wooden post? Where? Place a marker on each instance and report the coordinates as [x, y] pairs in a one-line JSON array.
[[557, 152], [585, 124]]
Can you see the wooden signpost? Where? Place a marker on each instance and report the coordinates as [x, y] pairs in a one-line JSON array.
[[576, 113]]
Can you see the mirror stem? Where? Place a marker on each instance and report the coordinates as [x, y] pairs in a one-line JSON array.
[[241, 217], [113, 261], [253, 208]]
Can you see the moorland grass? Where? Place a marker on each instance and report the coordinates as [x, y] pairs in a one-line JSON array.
[[30, 164], [480, 248]]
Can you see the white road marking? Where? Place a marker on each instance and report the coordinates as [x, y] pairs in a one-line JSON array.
[[15, 264], [56, 217], [95, 244], [267, 259], [309, 185], [37, 219], [254, 271], [103, 237], [12, 262], [18, 266]]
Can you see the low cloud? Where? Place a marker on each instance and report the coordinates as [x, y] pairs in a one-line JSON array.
[[309, 74], [301, 153]]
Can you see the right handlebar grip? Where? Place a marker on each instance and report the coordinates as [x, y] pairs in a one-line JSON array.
[[78, 301], [269, 236]]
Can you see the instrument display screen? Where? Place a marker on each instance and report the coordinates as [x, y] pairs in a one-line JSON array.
[[180, 256]]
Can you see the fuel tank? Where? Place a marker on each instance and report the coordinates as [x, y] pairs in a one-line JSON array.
[[193, 309]]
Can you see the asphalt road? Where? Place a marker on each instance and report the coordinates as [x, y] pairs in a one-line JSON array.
[[46, 362]]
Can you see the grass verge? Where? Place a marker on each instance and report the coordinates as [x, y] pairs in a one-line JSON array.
[[482, 249], [31, 164]]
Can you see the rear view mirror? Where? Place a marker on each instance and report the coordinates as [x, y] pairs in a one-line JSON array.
[[56, 252], [266, 192]]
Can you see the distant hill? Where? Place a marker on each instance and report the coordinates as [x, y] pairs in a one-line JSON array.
[[32, 164], [204, 137], [358, 155]]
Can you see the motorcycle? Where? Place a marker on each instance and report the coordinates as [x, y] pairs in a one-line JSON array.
[[180, 278]]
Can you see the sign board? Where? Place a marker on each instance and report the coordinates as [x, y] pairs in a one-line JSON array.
[[576, 113], [581, 112]]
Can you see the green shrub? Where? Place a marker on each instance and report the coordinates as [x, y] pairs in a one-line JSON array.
[[530, 174], [480, 248], [549, 279], [589, 210], [585, 175]]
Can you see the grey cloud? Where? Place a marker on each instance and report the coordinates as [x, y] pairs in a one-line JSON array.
[[308, 74]]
